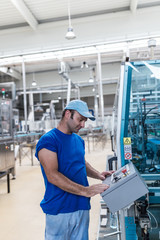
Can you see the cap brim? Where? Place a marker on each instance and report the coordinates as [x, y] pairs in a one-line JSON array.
[[84, 114], [87, 115]]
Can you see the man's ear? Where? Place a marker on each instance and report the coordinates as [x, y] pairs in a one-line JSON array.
[[67, 114]]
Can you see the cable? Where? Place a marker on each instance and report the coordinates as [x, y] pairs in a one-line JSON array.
[[153, 218]]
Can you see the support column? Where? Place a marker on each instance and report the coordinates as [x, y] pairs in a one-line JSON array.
[[95, 96], [24, 94], [78, 92], [101, 102], [69, 91], [31, 104]]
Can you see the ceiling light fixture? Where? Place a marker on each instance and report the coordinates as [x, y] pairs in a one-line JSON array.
[[34, 81], [38, 109], [84, 65], [92, 75], [9, 70], [70, 34], [91, 80], [152, 45]]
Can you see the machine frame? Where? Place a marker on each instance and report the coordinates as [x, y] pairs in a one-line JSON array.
[[128, 219]]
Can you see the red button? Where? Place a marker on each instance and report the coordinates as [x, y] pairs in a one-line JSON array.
[[124, 170]]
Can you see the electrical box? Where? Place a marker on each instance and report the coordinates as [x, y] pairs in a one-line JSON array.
[[126, 186]]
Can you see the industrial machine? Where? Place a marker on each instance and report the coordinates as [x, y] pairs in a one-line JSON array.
[[7, 160], [136, 138], [12, 140]]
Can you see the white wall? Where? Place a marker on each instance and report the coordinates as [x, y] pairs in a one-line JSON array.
[[52, 78]]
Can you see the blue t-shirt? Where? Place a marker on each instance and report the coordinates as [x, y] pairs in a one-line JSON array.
[[71, 163]]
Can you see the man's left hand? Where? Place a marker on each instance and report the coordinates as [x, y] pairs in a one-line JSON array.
[[105, 174]]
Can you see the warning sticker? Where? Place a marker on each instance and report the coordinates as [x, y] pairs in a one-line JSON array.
[[128, 156], [127, 148], [127, 141]]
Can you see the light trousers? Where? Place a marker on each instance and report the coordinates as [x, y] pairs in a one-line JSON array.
[[67, 226]]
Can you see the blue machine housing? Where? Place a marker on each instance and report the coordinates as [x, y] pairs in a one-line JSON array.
[[140, 120]]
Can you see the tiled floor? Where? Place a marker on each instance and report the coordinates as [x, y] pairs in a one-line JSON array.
[[21, 217]]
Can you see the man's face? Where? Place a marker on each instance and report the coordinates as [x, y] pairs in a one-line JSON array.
[[76, 122]]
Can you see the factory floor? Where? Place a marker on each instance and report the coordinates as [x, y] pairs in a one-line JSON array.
[[21, 217]]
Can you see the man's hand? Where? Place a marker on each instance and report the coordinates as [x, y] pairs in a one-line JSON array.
[[95, 189], [105, 174], [91, 172]]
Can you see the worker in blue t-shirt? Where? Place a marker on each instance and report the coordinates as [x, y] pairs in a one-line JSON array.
[[61, 153]]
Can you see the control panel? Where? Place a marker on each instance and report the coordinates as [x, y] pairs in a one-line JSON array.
[[120, 174], [126, 186]]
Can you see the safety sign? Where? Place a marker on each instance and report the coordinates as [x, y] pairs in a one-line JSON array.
[[127, 141], [127, 148], [128, 156]]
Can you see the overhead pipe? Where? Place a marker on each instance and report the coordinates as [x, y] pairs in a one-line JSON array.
[[43, 91], [64, 74], [80, 46]]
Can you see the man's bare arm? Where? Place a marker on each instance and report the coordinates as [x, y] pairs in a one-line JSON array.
[[49, 161], [93, 173]]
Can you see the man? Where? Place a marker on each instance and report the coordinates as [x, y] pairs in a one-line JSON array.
[[67, 194]]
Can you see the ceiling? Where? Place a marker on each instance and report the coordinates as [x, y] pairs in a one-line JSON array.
[[20, 13], [24, 14]]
